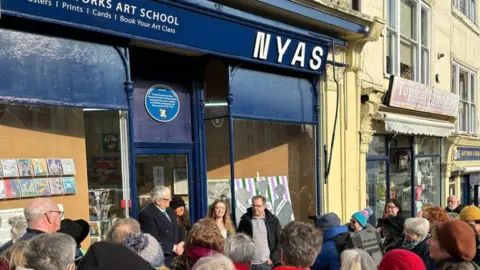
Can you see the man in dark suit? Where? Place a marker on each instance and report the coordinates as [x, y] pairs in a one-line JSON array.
[[158, 220]]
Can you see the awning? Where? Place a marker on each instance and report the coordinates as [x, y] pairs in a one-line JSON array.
[[466, 169], [415, 125]]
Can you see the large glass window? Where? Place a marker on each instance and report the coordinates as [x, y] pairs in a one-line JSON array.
[[464, 83], [376, 188], [467, 7], [408, 39], [276, 160]]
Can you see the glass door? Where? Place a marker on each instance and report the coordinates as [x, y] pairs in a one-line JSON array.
[[170, 170]]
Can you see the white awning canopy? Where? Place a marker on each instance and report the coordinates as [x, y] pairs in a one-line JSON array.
[[415, 125], [467, 169]]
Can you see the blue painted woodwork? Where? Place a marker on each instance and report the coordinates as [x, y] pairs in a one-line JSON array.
[[39, 69], [467, 153], [179, 26], [272, 96]]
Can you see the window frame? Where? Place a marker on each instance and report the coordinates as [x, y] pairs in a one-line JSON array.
[[421, 61], [467, 8], [470, 102]]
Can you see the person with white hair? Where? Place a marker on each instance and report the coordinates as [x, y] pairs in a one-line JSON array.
[[42, 216], [217, 262], [357, 259], [240, 249], [416, 232], [158, 220], [51, 251]]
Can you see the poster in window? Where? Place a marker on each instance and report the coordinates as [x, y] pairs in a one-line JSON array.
[[25, 167], [110, 142], [180, 181], [219, 189], [158, 176]]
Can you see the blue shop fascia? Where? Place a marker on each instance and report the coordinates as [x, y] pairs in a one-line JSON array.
[[187, 94]]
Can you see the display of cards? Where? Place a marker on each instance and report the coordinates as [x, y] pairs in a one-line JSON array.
[[69, 185], [1, 171], [95, 239], [43, 186], [68, 166], [10, 168], [56, 186], [28, 188], [13, 188], [105, 226], [54, 166], [3, 190], [40, 167], [25, 167]]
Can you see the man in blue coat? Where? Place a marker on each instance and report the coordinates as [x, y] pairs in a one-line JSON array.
[[329, 257]]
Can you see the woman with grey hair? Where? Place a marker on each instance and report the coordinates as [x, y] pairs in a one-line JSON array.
[[416, 235], [240, 249], [217, 262], [356, 259]]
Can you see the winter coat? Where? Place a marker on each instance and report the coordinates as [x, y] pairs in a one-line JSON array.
[[451, 264], [423, 251], [329, 257], [273, 232], [456, 210]]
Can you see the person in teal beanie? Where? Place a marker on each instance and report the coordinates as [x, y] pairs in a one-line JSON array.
[[358, 222]]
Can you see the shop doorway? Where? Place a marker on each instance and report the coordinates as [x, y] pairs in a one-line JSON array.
[[171, 169], [470, 189]]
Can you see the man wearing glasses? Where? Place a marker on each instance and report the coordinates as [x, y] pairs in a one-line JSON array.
[[158, 220], [43, 216]]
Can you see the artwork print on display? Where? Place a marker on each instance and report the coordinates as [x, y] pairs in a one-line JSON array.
[[56, 186], [43, 187], [28, 188], [40, 167], [10, 168], [69, 185], [54, 166], [219, 189], [68, 166], [3, 191], [25, 167], [15, 190]]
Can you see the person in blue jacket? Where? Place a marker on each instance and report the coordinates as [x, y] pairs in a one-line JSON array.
[[329, 257]]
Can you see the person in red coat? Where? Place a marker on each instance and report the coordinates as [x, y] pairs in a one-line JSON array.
[[300, 243]]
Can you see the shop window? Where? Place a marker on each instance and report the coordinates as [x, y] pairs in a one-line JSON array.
[[428, 146], [451, 186], [408, 40], [376, 188], [467, 7], [464, 83], [378, 146], [427, 181], [276, 160], [400, 175]]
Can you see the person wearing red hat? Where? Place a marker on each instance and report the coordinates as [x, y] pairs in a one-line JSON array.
[[401, 259], [452, 246]]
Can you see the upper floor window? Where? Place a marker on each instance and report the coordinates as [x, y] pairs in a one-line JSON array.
[[408, 40], [464, 83], [467, 7]]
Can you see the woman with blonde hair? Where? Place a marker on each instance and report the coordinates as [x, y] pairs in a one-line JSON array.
[[14, 254], [356, 259], [220, 213]]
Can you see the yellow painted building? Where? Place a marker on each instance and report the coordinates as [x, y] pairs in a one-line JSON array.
[[418, 123]]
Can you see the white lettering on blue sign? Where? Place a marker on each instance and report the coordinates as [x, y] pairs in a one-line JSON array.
[[262, 46]]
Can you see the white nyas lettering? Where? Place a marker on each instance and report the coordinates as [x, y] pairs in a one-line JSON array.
[[262, 44], [299, 55], [316, 62], [282, 49]]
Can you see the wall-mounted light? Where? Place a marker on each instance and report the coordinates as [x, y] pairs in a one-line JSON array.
[[440, 55]]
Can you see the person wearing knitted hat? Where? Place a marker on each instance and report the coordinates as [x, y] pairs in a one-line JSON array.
[[358, 222], [452, 246], [146, 246], [401, 259], [471, 215], [330, 227]]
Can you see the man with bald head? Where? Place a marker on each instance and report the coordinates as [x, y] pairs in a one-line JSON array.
[[454, 205], [43, 216]]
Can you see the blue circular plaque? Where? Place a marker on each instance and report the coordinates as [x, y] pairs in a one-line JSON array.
[[162, 103]]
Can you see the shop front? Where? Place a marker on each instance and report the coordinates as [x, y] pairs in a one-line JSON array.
[[405, 159], [102, 100]]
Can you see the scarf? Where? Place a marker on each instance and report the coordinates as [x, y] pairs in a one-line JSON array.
[[409, 245]]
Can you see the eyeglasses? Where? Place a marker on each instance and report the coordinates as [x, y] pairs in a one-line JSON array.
[[257, 206], [353, 221], [60, 213]]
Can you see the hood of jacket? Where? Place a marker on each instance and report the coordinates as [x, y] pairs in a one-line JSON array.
[[334, 232], [268, 215], [450, 264]]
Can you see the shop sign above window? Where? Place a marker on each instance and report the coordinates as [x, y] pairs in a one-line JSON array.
[[178, 26], [415, 96], [467, 153], [162, 103]]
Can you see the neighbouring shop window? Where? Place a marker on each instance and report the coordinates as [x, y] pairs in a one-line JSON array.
[[451, 186], [276, 160], [464, 83], [408, 39], [376, 188], [467, 7], [400, 172]]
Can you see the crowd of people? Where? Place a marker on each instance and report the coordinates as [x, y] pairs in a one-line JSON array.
[[163, 238]]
